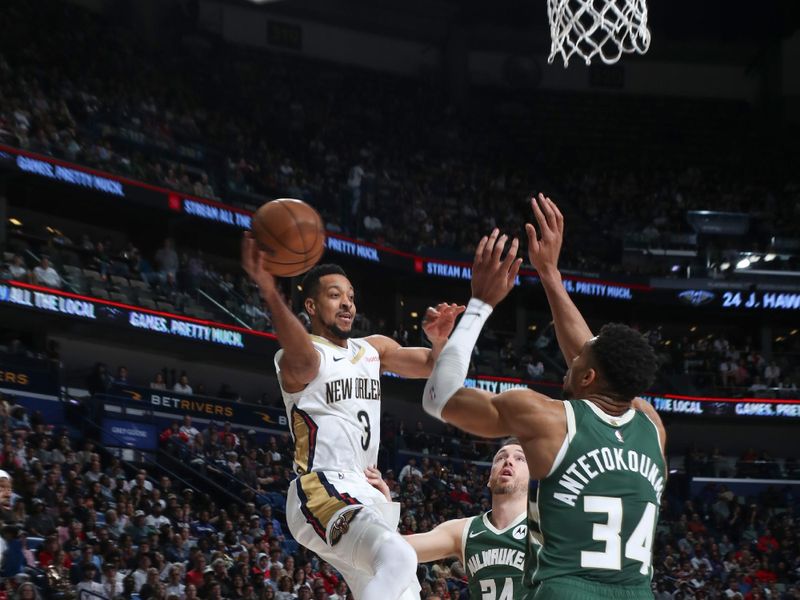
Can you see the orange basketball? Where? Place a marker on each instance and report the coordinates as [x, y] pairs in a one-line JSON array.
[[291, 233]]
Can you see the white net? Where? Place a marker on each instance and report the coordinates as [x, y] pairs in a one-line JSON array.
[[604, 28]]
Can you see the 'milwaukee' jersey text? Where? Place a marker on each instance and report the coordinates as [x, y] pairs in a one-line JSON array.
[[495, 558], [335, 420]]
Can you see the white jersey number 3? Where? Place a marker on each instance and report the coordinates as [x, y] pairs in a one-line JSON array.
[[639, 545]]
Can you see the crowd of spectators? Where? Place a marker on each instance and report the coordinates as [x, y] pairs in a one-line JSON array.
[[718, 544], [729, 364], [357, 144], [169, 277], [750, 464], [81, 519]]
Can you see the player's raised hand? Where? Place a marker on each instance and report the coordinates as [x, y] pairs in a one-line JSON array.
[[543, 252], [252, 258], [438, 322], [376, 480], [493, 275]]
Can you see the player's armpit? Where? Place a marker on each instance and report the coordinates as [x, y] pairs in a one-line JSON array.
[[415, 363], [441, 542]]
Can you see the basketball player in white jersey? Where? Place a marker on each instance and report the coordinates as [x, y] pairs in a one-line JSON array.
[[331, 387]]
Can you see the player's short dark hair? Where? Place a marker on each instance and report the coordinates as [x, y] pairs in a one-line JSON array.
[[509, 440], [625, 361], [310, 283]]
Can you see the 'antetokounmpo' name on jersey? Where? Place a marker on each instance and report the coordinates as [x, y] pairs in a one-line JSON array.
[[343, 389], [600, 460]]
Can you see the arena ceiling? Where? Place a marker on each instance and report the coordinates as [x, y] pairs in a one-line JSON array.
[[725, 30]]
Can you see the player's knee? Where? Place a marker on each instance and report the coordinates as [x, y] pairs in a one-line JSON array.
[[396, 557]]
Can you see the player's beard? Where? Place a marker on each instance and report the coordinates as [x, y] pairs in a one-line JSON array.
[[503, 489], [338, 332]]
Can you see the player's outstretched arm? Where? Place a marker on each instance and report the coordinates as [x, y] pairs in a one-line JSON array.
[[441, 542], [572, 331], [299, 363], [492, 279], [521, 413], [417, 363]]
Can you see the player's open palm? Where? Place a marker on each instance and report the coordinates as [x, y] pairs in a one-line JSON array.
[[251, 263], [543, 251], [438, 322], [493, 275]]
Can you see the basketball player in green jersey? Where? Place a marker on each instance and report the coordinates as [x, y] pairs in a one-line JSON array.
[[598, 456], [491, 546]]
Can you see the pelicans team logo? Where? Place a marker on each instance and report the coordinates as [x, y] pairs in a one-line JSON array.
[[342, 525], [696, 297], [619, 437], [520, 532]]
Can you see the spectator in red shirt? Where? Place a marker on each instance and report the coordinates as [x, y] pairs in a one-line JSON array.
[[173, 432], [767, 543], [695, 525], [329, 578], [195, 576]]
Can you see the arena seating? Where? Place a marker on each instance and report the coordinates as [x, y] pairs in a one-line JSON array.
[[445, 164], [144, 529]]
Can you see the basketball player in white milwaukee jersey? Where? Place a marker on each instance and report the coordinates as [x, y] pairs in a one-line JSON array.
[[331, 387]]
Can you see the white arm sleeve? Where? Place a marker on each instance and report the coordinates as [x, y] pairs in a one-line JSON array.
[[453, 363]]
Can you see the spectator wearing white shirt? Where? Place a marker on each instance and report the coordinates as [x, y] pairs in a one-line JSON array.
[[409, 469], [190, 430], [354, 183], [88, 583], [182, 385], [156, 519], [111, 581], [772, 374], [46, 275], [17, 269], [140, 574], [174, 585], [158, 382], [167, 260], [726, 370]]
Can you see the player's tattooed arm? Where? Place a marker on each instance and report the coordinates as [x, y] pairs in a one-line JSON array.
[[571, 328]]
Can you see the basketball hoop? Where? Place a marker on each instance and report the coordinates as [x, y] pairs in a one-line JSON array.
[[604, 28]]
